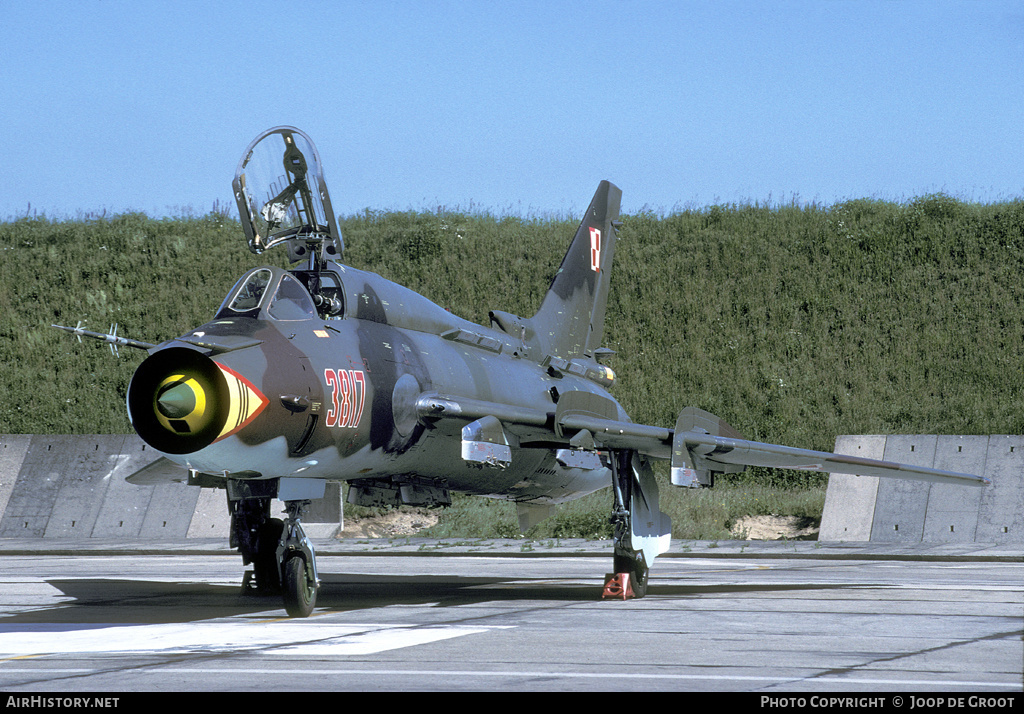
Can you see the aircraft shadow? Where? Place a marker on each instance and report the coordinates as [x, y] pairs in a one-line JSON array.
[[739, 589], [121, 601], [107, 601], [350, 592], [341, 592], [129, 602]]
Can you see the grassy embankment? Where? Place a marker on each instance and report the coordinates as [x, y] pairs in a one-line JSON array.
[[794, 324]]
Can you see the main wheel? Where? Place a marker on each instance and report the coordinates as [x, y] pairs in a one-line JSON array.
[[299, 593], [637, 569]]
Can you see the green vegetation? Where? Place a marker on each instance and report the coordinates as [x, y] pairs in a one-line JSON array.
[[793, 323], [705, 514]]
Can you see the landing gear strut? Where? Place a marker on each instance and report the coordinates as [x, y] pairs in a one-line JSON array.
[[299, 581], [630, 567], [256, 536], [281, 555]]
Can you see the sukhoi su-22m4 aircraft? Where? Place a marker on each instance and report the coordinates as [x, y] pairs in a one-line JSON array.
[[328, 373]]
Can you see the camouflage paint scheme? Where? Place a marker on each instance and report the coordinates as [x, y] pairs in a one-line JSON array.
[[329, 373], [348, 395], [382, 340]]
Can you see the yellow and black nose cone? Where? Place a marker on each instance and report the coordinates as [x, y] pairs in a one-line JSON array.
[[181, 401]]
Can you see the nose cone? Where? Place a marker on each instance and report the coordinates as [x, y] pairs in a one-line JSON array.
[[180, 397], [181, 401]]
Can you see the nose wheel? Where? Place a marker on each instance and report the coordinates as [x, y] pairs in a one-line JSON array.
[[297, 562], [282, 556], [299, 589]]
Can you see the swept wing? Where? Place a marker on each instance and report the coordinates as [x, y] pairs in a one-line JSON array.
[[694, 447]]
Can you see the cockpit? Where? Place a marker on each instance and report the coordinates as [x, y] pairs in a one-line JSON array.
[[282, 199], [281, 295], [249, 292], [291, 301]]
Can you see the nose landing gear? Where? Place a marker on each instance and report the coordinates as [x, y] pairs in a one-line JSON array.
[[282, 557], [297, 562]]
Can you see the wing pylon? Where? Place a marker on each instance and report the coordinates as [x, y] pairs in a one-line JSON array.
[[701, 444]]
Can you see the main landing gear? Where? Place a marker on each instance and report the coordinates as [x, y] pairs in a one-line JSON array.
[[281, 555], [640, 530]]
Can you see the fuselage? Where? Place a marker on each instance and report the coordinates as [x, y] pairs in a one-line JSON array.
[[332, 393]]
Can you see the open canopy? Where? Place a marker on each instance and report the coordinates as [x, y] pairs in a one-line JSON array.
[[282, 197]]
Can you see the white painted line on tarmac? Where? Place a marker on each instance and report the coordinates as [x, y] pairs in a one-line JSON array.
[[377, 641], [286, 637]]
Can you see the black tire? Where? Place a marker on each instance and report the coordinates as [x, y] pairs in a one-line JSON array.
[[268, 575], [299, 593], [638, 572], [638, 578]]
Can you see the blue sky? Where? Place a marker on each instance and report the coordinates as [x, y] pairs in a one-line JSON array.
[[512, 107]]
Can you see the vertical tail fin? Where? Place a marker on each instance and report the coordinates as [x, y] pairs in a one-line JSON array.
[[570, 321]]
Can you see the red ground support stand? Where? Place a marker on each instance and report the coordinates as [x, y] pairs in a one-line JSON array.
[[617, 587]]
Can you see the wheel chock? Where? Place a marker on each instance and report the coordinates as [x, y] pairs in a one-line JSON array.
[[617, 587]]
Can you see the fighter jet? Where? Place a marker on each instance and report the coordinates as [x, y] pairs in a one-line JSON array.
[[324, 372]]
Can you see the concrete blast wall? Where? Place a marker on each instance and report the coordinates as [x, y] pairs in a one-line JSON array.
[[863, 508], [73, 486]]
